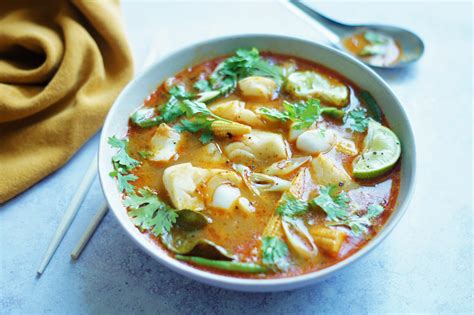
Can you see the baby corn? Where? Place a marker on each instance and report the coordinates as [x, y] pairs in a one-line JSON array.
[[327, 239], [229, 129]]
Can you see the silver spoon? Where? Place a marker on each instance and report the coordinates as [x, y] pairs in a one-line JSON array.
[[410, 44]]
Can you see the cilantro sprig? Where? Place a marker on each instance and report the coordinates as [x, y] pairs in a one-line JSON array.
[[303, 114], [203, 86], [243, 64], [123, 182], [149, 213], [180, 92], [123, 163], [357, 120], [336, 205], [291, 206], [275, 253], [173, 109], [200, 119]]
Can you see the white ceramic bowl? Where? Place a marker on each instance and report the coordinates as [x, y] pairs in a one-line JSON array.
[[137, 90]]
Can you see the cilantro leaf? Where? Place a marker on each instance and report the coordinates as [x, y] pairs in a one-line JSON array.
[[336, 205], [274, 114], [121, 160], [374, 210], [275, 253], [192, 109], [171, 110], [179, 92], [243, 64], [264, 69], [202, 86], [206, 136], [195, 125], [123, 182], [357, 120], [303, 114], [360, 223], [291, 206], [148, 212], [199, 123]]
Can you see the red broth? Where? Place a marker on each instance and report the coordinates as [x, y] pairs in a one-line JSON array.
[[238, 231]]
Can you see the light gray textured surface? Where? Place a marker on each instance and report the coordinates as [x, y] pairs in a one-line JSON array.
[[425, 265]]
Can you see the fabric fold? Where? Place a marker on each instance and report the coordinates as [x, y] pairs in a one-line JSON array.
[[62, 64]]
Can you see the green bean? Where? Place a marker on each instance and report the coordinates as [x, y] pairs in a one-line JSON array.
[[371, 105], [223, 264], [332, 112]]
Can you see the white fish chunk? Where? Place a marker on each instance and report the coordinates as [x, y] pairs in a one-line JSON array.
[[164, 143]]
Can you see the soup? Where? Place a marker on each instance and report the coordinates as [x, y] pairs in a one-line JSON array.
[[375, 48], [258, 165]]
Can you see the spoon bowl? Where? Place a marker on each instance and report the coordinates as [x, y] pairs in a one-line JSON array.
[[411, 46]]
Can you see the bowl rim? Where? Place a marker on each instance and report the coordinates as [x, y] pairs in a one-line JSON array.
[[253, 284]]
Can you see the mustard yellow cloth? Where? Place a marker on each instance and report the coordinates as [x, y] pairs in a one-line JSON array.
[[62, 64]]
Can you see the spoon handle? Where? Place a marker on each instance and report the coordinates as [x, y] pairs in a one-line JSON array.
[[331, 29]]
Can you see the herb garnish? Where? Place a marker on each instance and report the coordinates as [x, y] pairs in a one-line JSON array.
[[303, 114], [123, 163], [179, 92], [123, 182], [337, 207], [243, 64], [357, 120], [146, 117], [275, 253], [202, 86], [201, 120], [148, 212], [291, 206]]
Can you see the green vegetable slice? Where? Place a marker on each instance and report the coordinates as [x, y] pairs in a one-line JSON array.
[[380, 153], [309, 84], [371, 104]]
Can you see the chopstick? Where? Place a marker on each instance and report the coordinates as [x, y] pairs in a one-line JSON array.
[[79, 196], [101, 212], [89, 231], [69, 215]]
